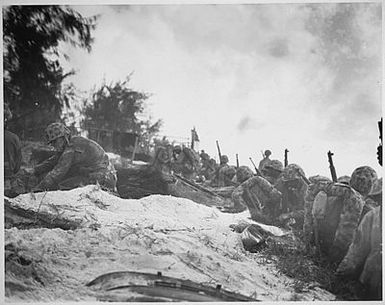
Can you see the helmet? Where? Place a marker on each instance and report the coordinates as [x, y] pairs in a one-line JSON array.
[[292, 171], [56, 130], [343, 179], [319, 178], [177, 149], [244, 173], [224, 159], [204, 156], [362, 179], [267, 152], [7, 112], [377, 188], [230, 172], [274, 164]]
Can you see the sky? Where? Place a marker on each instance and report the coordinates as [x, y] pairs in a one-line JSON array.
[[306, 77]]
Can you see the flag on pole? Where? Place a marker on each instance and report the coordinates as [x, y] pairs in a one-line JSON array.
[[194, 135]]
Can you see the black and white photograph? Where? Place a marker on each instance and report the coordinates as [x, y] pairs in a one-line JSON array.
[[192, 151]]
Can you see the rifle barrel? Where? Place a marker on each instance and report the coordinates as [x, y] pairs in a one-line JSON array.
[[255, 167]]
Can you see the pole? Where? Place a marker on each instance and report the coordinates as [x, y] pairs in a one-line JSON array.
[[135, 147]]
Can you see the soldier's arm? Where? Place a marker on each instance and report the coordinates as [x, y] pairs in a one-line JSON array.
[[265, 187], [46, 165], [59, 171], [359, 249], [349, 219]]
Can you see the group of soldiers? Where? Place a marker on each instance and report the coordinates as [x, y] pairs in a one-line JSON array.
[[340, 220], [77, 161]]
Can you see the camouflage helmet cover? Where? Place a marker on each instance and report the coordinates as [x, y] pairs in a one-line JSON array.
[[274, 164], [319, 178], [230, 171], [244, 173], [177, 148], [56, 130], [224, 159], [344, 179], [292, 172], [363, 179]]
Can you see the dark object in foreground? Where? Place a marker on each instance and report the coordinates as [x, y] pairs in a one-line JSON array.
[[139, 181], [126, 286]]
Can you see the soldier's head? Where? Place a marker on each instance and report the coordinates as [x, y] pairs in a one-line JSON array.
[[362, 179], [7, 113], [57, 135], [267, 153], [244, 173], [273, 169], [230, 172], [204, 156], [291, 175], [177, 149], [224, 159]]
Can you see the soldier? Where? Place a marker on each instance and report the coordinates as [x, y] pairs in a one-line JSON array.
[[363, 260], [257, 194], [293, 187], [265, 160], [185, 162], [207, 168], [78, 162], [341, 212], [226, 175], [12, 159], [216, 177], [162, 158], [272, 171]]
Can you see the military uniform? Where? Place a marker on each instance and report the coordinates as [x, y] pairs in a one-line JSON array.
[[217, 178], [186, 163], [265, 161], [366, 251], [82, 162], [162, 159], [364, 258], [225, 175], [259, 196], [292, 186], [339, 211], [13, 184]]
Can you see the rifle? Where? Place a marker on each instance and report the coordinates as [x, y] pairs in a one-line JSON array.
[[197, 187], [263, 155], [219, 152], [236, 157], [286, 160], [331, 166], [256, 168]]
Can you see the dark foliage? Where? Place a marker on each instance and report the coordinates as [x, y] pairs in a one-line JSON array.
[[32, 72]]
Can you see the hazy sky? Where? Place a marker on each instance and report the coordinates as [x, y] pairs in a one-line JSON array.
[[306, 77]]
